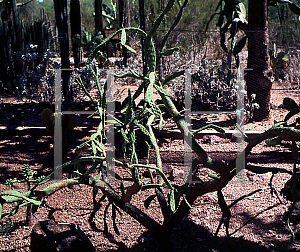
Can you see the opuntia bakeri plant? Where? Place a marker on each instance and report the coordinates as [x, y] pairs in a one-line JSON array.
[[175, 199]]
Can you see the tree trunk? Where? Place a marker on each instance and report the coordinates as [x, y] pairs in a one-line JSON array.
[[258, 78], [18, 40], [127, 13], [61, 16], [98, 16], [75, 18]]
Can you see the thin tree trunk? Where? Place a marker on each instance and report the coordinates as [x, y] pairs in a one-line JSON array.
[[75, 18], [18, 45], [98, 16], [259, 74], [61, 16]]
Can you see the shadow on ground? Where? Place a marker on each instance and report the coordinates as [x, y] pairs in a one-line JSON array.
[[19, 149], [190, 237]]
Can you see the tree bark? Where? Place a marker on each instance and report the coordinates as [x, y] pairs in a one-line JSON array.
[[61, 17], [18, 40], [75, 18], [98, 16], [259, 72]]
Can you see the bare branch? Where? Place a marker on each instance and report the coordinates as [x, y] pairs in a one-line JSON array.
[[23, 4]]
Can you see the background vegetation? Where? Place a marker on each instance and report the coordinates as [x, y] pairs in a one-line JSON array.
[[283, 25], [174, 199]]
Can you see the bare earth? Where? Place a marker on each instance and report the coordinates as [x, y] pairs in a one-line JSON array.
[[266, 232]]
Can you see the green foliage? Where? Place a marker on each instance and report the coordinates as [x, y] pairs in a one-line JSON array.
[[7, 226], [282, 17], [89, 42], [28, 175], [123, 42], [281, 60], [90, 39], [217, 128], [289, 104], [231, 15], [293, 108], [293, 7], [109, 12], [20, 200], [278, 62], [32, 11], [274, 141], [175, 199], [148, 114]]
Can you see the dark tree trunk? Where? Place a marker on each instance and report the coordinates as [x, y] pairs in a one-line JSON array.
[[121, 13], [258, 79], [127, 13], [75, 18], [61, 16], [98, 16], [18, 40], [18, 28], [5, 14], [38, 28]]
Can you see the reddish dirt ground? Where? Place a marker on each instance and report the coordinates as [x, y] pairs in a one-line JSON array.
[[257, 221]]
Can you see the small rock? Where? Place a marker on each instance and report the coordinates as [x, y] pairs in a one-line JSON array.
[[176, 173], [211, 139], [274, 106], [49, 236]]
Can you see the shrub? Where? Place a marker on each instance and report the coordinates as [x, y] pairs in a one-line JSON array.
[[175, 199]]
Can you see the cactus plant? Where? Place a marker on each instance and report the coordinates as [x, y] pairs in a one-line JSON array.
[[278, 62], [174, 199]]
